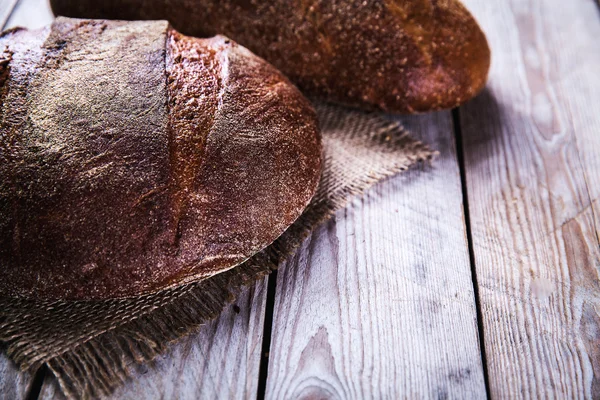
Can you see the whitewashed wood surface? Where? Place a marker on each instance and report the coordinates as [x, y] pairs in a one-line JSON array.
[[32, 14], [531, 145], [221, 361], [380, 302], [6, 7]]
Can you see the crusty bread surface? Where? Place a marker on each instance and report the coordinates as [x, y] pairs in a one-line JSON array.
[[396, 55], [134, 158]]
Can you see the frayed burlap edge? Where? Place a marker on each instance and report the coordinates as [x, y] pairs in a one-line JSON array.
[[90, 346]]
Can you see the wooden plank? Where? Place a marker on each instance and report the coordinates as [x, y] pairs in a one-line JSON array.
[[379, 303], [531, 144], [6, 8], [221, 361], [32, 14]]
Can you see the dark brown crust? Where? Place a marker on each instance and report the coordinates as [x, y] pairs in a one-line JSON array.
[[135, 158], [396, 55]]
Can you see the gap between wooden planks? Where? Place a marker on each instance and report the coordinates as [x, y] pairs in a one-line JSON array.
[[532, 160], [220, 361], [379, 303], [421, 337], [528, 202], [413, 335]]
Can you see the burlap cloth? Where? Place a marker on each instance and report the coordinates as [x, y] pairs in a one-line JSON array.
[[90, 345]]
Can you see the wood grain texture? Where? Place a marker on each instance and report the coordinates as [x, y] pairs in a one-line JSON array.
[[221, 361], [379, 302], [31, 14], [531, 145]]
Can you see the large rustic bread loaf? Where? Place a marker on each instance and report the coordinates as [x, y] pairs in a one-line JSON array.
[[396, 55], [133, 158]]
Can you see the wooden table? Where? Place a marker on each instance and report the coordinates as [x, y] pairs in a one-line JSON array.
[[475, 277]]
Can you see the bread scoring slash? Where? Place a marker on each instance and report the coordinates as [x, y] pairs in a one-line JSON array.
[[134, 158]]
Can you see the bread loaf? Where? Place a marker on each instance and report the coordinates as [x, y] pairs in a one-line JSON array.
[[133, 158], [396, 55]]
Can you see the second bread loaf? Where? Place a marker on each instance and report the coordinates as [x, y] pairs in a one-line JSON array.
[[396, 55]]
